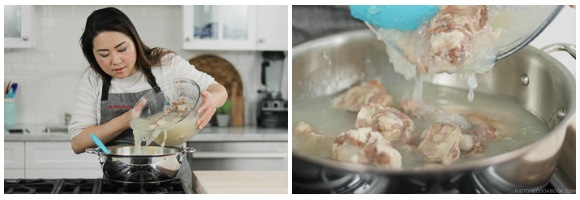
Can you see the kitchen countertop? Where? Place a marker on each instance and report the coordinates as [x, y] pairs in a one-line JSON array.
[[208, 134], [244, 182]]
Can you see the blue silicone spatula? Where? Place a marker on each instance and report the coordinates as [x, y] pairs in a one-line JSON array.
[[402, 17], [100, 144]]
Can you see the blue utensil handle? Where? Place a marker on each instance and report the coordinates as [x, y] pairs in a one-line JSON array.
[[14, 87], [10, 93], [402, 17], [100, 144]]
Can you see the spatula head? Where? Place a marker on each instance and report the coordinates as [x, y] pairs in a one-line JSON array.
[[402, 17]]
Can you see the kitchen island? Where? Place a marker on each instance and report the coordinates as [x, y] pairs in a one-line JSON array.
[[244, 182]]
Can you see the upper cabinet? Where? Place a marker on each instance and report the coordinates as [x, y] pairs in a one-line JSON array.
[[272, 28], [235, 27], [19, 26]]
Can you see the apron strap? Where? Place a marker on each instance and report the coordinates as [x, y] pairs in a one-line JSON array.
[[151, 79], [105, 88], [107, 84]]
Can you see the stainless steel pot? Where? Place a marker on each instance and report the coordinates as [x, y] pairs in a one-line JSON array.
[[540, 83], [155, 165]]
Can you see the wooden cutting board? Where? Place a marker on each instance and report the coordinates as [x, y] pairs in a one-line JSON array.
[[227, 75]]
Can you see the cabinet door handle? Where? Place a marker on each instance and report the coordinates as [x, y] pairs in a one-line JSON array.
[[25, 38], [262, 40], [187, 39]]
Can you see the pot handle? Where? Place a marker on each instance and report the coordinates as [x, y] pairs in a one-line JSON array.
[[92, 151], [182, 154], [570, 48], [96, 151]]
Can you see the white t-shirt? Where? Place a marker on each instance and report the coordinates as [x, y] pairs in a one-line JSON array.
[[87, 110]]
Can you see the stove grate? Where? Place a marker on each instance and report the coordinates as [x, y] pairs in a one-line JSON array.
[[29, 186], [78, 186]]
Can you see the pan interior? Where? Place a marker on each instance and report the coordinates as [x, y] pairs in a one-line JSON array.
[[326, 68]]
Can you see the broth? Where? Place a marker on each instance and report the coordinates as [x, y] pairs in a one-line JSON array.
[[520, 126], [172, 135]]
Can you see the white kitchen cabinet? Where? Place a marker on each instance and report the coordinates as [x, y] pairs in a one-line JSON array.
[[235, 27], [19, 26], [14, 160], [57, 160], [214, 27], [239, 156], [272, 28]]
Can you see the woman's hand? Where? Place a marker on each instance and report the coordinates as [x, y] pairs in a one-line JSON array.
[[126, 118], [213, 97], [207, 109]]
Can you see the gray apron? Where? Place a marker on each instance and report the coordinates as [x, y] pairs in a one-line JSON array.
[[113, 105]]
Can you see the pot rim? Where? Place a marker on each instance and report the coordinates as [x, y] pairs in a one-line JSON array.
[[463, 166], [177, 152]]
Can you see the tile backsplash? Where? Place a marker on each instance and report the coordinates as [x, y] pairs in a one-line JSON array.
[[48, 74]]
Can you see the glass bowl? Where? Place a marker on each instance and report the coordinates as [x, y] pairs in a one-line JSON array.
[[168, 113], [519, 24]]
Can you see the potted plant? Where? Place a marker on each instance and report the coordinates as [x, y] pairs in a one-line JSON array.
[[223, 114]]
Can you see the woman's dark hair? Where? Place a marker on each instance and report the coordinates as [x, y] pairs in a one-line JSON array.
[[112, 19]]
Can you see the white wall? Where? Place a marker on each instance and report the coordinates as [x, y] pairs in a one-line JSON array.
[[49, 73]]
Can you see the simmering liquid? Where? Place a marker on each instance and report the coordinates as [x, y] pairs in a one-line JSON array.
[[518, 126]]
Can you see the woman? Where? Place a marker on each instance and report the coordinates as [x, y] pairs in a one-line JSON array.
[[123, 68]]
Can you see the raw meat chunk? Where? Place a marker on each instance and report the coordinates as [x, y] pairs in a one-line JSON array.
[[390, 122], [453, 30], [306, 139], [483, 127], [364, 146], [440, 143], [368, 92]]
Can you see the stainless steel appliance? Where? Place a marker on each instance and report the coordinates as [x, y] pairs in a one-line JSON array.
[[542, 84], [157, 164], [273, 109]]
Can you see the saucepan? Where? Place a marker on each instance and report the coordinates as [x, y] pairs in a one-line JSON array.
[[539, 83], [156, 164]]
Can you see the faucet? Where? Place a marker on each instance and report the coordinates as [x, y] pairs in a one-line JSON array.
[[67, 117]]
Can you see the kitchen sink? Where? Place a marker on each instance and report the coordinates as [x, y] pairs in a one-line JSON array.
[[56, 129], [18, 130]]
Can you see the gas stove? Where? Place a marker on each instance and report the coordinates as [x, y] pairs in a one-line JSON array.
[[337, 182], [308, 178], [99, 186], [325, 181]]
